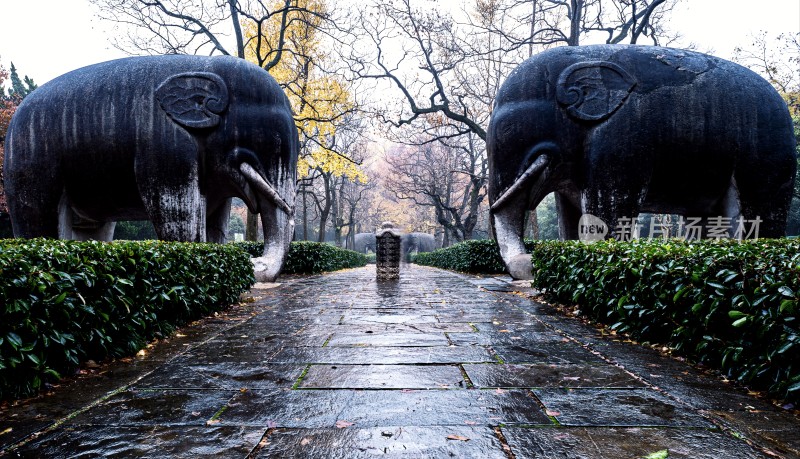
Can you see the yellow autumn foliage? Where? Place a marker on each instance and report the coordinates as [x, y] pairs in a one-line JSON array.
[[317, 100]]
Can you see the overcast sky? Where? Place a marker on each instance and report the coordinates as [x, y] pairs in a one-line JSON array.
[[45, 38]]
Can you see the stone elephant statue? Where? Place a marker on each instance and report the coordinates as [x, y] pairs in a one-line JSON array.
[[168, 139], [416, 243], [615, 130], [364, 242]]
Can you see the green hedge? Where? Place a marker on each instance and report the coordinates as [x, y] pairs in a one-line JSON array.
[[477, 256], [307, 257], [726, 304], [63, 302], [480, 256]]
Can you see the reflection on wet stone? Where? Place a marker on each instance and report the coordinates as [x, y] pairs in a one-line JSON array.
[[429, 365], [384, 377]]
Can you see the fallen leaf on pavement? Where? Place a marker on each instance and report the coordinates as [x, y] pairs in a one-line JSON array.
[[305, 441], [457, 437]]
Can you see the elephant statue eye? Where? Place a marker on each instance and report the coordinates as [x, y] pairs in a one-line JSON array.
[[194, 100], [593, 91]]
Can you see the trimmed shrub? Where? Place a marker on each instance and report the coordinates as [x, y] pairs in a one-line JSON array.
[[730, 305], [480, 256], [63, 302], [307, 257]]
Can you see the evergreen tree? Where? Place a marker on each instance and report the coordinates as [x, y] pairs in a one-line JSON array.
[[20, 88]]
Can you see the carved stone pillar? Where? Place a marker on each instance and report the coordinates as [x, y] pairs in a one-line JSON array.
[[388, 252]]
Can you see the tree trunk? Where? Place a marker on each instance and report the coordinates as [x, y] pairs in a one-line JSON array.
[[531, 224], [575, 23], [251, 227], [326, 211], [305, 215]]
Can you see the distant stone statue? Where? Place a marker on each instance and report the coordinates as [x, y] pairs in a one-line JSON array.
[[615, 130], [388, 251], [363, 242], [417, 243], [168, 139]]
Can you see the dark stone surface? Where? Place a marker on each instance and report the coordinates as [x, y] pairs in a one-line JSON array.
[[546, 352], [388, 339], [380, 317], [608, 407], [624, 443], [170, 139], [156, 407], [374, 408], [263, 371], [554, 375], [223, 376], [502, 339], [615, 130], [777, 429], [384, 377], [146, 442], [388, 252], [391, 441], [386, 355]]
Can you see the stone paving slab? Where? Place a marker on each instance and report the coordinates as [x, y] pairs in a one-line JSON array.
[[624, 443], [383, 377], [610, 407], [501, 339], [385, 355], [371, 408], [554, 375], [190, 374], [156, 407], [391, 441], [146, 442], [556, 352], [434, 365], [388, 339], [387, 328], [388, 318]]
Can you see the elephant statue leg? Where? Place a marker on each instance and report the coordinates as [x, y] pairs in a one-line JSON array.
[[73, 226], [217, 222], [174, 202], [35, 211], [760, 206], [614, 198], [509, 225]]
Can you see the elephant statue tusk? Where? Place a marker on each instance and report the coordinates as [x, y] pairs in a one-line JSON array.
[[263, 186], [522, 183]]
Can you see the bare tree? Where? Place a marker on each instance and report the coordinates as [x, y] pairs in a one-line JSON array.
[[778, 60], [265, 32], [448, 177], [446, 67], [208, 26], [546, 23]]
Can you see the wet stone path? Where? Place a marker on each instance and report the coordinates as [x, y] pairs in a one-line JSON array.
[[434, 365]]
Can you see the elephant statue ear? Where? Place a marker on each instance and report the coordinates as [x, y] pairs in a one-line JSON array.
[[593, 91], [193, 100]]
